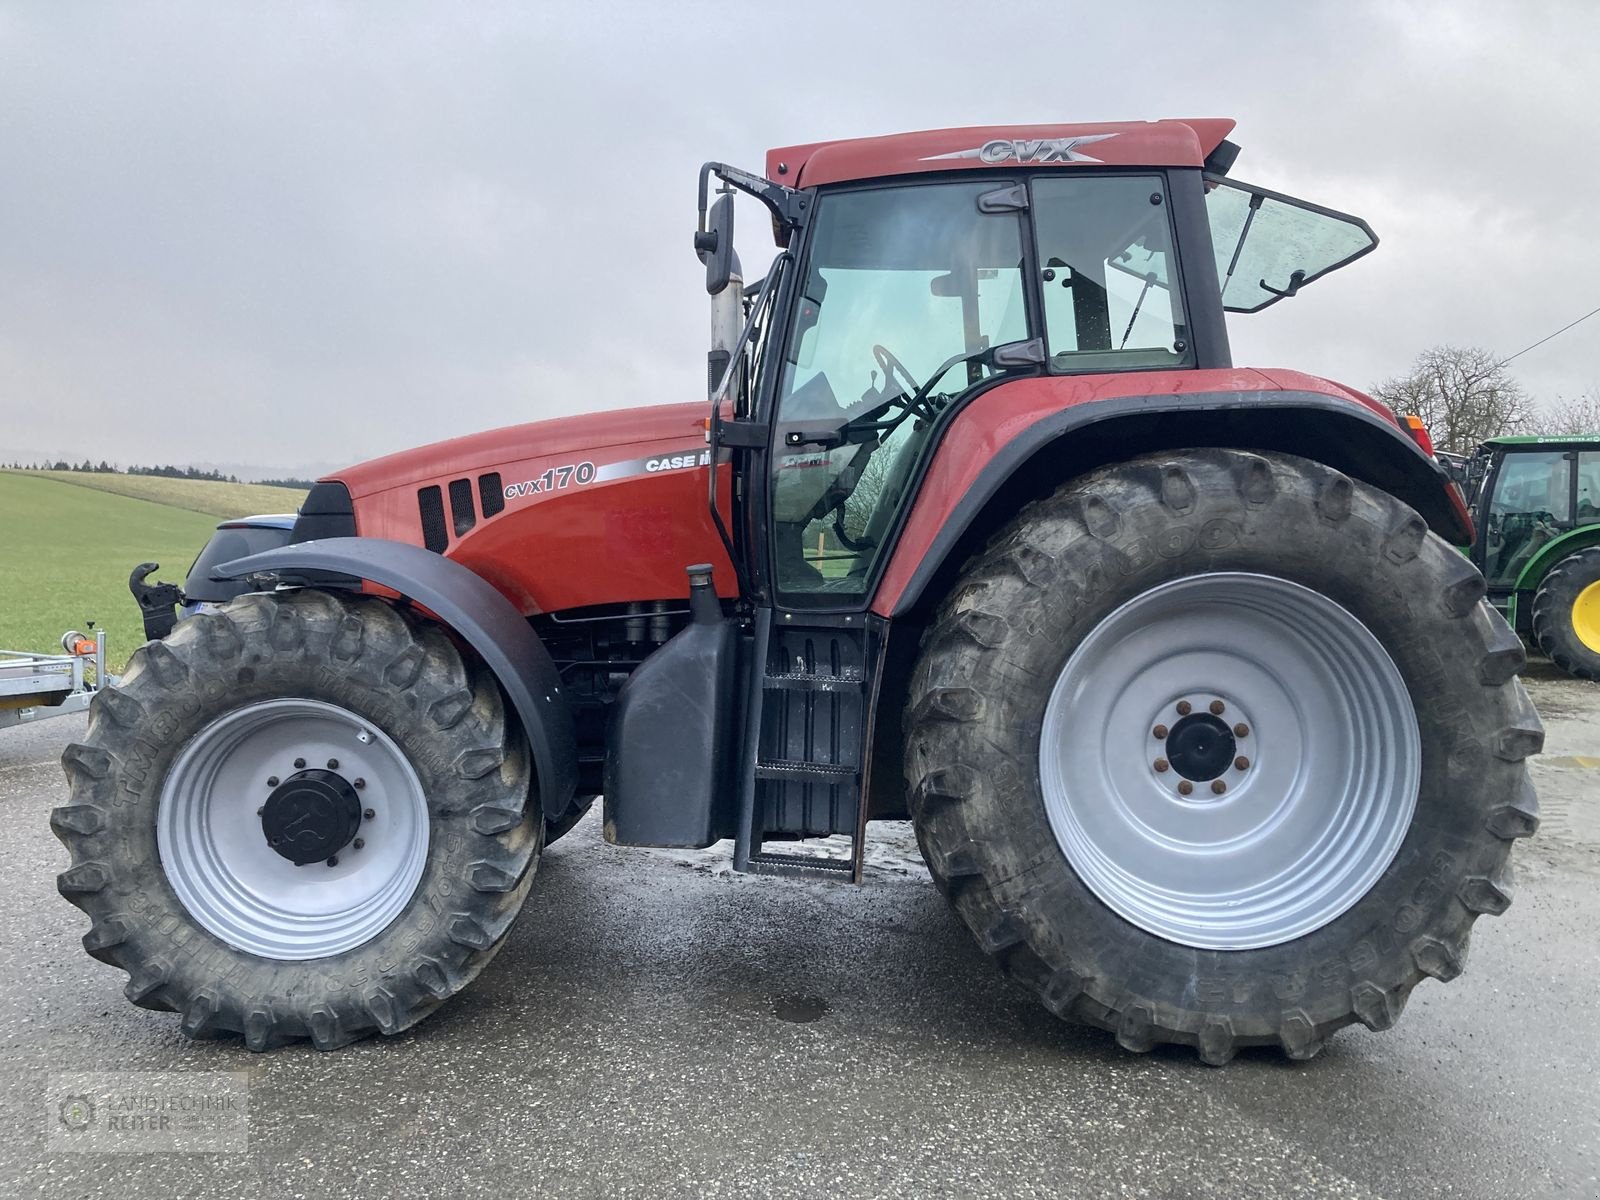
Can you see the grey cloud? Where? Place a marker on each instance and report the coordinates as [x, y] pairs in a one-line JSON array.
[[344, 229]]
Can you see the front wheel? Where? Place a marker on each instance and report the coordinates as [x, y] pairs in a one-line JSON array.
[[1222, 749], [300, 816], [1566, 614]]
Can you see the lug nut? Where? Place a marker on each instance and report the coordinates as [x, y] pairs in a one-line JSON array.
[[1241, 730], [1241, 763], [262, 811], [368, 813], [1162, 764], [1184, 708], [1218, 786], [299, 763], [1185, 787], [272, 781], [1218, 708], [333, 764], [333, 860], [360, 783], [1159, 732], [358, 843]]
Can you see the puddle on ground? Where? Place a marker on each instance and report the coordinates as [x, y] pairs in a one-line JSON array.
[[800, 1009]]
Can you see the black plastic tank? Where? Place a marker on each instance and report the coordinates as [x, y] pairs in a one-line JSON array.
[[674, 735]]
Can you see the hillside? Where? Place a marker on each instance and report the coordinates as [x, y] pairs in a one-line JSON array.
[[220, 500], [68, 551]]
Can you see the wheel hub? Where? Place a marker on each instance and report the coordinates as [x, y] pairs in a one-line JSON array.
[[1586, 616], [1200, 747], [223, 805], [1229, 760], [311, 816]]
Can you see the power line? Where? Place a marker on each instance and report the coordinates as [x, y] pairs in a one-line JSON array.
[[1547, 337]]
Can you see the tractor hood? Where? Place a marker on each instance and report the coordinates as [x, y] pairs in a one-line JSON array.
[[604, 508], [579, 436]]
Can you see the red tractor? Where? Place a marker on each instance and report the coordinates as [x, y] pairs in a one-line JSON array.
[[1203, 723]]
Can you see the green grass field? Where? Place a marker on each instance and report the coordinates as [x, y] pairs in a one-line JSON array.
[[67, 551], [221, 500]]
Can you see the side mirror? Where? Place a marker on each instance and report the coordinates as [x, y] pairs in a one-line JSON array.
[[714, 244]]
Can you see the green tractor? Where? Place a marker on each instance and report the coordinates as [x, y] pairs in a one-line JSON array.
[[1536, 503]]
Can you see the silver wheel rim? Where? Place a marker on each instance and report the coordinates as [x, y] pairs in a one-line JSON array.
[[1292, 838], [217, 857]]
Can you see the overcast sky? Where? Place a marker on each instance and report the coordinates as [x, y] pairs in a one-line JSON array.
[[299, 235]]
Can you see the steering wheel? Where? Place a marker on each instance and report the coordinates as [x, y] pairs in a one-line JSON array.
[[891, 367]]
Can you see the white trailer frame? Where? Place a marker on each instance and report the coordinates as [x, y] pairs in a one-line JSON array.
[[34, 687]]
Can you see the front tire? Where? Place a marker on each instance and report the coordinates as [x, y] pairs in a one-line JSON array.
[[1380, 728], [301, 816], [1566, 614]]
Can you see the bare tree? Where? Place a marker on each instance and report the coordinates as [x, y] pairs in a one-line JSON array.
[[1575, 414], [867, 495], [1462, 393]]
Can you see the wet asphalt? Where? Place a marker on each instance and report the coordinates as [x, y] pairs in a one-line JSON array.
[[658, 1026]]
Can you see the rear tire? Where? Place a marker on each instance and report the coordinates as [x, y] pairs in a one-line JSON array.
[[197, 719], [1009, 630], [1566, 614]]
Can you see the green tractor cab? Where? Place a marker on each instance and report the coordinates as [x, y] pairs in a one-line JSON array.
[[1536, 503]]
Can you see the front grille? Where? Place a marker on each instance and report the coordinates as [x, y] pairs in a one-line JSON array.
[[462, 514], [430, 505], [491, 494]]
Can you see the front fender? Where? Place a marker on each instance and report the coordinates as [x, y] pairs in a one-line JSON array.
[[478, 614], [1553, 552]]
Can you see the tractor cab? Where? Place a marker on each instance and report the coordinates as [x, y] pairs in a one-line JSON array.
[[1525, 494], [915, 273], [1536, 502]]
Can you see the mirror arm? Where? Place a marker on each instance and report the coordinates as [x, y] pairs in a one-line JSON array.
[[789, 208]]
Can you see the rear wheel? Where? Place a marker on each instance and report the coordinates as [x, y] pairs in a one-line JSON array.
[[1566, 614], [300, 816], [1221, 749]]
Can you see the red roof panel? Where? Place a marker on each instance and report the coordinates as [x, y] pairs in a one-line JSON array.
[[1124, 144]]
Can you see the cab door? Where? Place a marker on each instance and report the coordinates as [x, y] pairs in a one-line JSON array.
[[1528, 504], [901, 291]]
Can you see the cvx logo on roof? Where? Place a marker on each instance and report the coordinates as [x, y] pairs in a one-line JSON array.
[[1028, 150]]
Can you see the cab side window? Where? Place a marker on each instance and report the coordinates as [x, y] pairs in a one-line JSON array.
[[1588, 487]]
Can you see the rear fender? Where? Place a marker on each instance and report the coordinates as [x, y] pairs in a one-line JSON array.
[[949, 522], [476, 613]]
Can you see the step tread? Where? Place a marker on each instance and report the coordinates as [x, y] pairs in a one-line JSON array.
[[791, 769]]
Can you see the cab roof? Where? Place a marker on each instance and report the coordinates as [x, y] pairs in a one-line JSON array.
[[1170, 143], [1542, 439]]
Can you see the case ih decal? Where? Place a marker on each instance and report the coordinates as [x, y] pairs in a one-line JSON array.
[[581, 474]]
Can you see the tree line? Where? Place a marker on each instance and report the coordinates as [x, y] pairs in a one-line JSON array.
[[1465, 396], [163, 471], [104, 468]]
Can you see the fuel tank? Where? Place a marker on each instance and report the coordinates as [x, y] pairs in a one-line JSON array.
[[604, 508]]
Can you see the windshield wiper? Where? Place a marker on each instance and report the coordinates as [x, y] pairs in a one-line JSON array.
[[1012, 356]]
